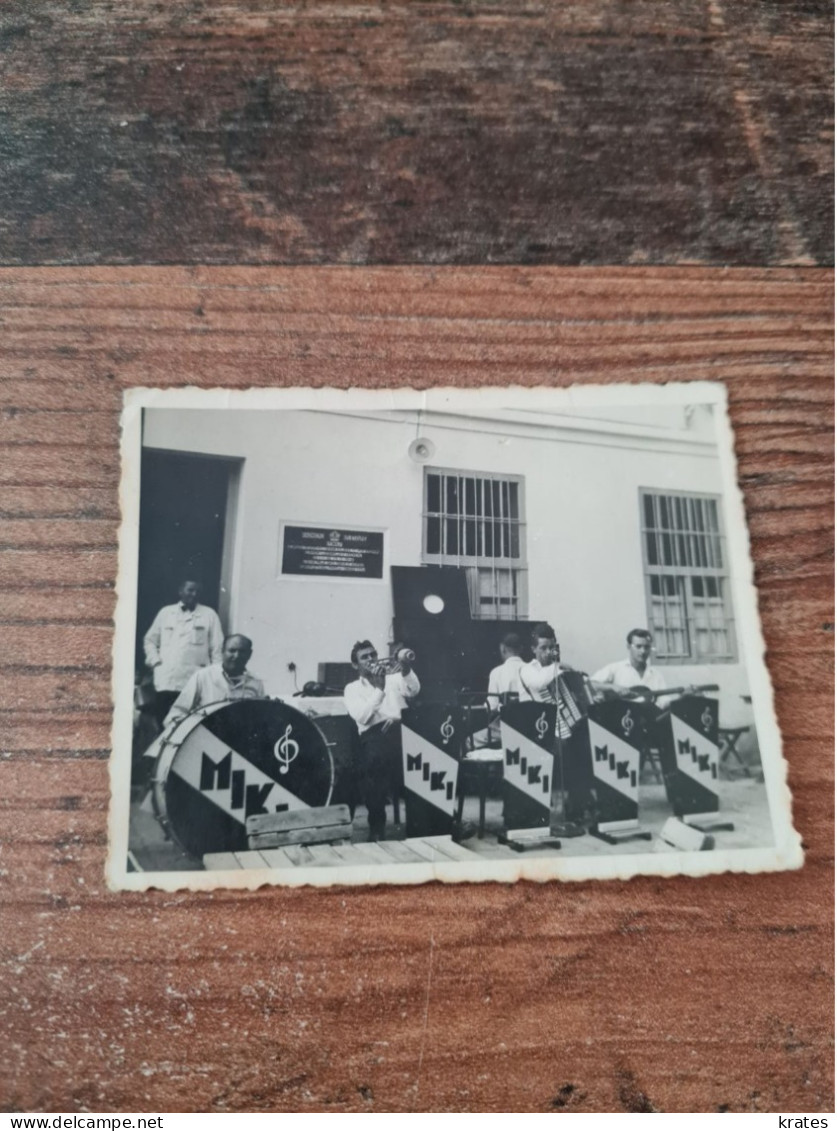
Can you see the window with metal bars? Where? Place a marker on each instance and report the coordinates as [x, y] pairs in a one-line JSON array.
[[475, 520], [686, 578]]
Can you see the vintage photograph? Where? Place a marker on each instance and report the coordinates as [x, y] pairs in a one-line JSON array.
[[397, 636]]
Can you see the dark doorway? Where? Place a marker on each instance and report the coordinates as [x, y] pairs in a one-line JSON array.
[[184, 502]]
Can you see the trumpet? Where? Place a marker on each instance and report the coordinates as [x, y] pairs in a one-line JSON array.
[[394, 662]]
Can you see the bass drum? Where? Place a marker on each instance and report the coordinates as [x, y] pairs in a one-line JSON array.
[[230, 760]]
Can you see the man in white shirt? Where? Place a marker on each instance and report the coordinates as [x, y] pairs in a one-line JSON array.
[[541, 679], [505, 678], [182, 639], [227, 680], [633, 673], [375, 701], [503, 682]]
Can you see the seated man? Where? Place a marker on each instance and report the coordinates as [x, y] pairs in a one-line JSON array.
[[375, 701], [503, 684], [227, 680], [634, 675], [541, 679]]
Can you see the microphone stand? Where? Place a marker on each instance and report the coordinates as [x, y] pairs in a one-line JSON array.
[[564, 827]]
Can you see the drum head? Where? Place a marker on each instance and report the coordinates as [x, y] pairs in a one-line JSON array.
[[238, 759]]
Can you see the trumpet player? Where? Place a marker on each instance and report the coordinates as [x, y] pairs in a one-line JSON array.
[[375, 701]]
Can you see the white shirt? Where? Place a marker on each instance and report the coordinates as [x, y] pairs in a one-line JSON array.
[[504, 679], [369, 705], [622, 673], [180, 641], [544, 685], [538, 681], [211, 685]]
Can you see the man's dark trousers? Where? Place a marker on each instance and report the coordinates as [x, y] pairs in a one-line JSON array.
[[163, 703], [380, 758]]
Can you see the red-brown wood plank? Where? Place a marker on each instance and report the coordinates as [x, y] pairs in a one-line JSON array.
[[446, 132]]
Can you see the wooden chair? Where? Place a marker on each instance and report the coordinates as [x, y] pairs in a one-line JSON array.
[[478, 764], [650, 755], [476, 770], [727, 740]]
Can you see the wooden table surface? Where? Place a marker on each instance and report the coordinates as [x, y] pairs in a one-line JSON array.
[[602, 166], [452, 131]]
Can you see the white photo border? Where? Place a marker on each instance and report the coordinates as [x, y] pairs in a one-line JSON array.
[[786, 851]]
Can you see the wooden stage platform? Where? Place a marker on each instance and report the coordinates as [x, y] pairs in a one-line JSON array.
[[416, 850]]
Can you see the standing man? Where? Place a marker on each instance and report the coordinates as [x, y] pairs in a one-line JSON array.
[[633, 673], [375, 701], [182, 639], [227, 680]]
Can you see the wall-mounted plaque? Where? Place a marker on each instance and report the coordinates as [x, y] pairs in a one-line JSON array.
[[323, 551]]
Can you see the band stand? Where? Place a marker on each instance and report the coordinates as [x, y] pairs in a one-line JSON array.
[[527, 730], [431, 736], [689, 749], [614, 733]]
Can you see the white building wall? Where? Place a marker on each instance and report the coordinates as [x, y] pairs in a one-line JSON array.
[[582, 508]]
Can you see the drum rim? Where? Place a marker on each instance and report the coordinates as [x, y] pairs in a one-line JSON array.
[[169, 749]]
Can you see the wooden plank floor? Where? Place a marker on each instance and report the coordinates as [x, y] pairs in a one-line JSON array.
[[416, 850], [455, 131], [672, 995]]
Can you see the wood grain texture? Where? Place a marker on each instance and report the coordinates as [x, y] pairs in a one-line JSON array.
[[457, 131], [670, 995]]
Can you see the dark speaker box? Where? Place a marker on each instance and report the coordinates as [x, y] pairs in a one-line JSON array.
[[336, 676], [412, 584]]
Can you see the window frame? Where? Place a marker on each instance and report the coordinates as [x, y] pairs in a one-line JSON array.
[[515, 568], [689, 546]]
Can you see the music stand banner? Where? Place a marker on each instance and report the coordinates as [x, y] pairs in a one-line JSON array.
[[431, 737], [614, 734], [527, 731], [688, 738]]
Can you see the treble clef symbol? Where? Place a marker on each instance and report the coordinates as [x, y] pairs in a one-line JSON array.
[[285, 750], [627, 723], [542, 726], [706, 719], [447, 730]]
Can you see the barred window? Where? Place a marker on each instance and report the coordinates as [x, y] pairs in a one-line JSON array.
[[686, 578], [475, 520]]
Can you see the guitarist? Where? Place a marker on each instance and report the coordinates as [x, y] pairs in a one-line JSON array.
[[634, 675]]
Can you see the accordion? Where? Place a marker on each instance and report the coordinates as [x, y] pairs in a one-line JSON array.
[[574, 698]]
